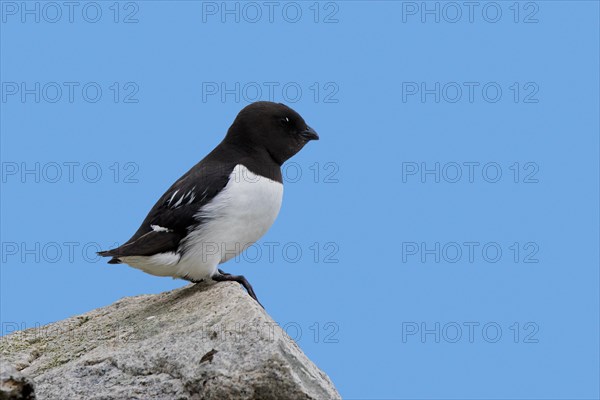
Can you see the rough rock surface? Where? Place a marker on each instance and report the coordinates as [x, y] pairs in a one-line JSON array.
[[196, 342], [13, 384]]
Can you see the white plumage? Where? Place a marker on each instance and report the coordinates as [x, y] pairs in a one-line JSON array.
[[235, 219]]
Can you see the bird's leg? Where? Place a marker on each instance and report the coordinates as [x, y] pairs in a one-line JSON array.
[[222, 277], [223, 273]]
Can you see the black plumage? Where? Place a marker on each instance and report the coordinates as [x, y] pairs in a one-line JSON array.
[[262, 137]]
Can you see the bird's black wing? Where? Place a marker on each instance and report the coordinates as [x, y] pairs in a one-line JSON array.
[[173, 215]]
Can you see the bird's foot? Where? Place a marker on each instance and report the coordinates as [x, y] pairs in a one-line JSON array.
[[223, 277]]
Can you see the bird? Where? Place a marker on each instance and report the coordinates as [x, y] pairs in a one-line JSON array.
[[223, 204]]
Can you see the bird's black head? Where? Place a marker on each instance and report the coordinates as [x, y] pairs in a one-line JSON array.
[[271, 127]]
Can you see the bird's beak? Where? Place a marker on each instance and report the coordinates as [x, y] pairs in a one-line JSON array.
[[309, 134]]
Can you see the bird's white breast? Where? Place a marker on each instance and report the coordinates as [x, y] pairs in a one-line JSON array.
[[236, 218]]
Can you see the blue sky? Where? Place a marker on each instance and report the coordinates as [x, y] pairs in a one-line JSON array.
[[439, 241]]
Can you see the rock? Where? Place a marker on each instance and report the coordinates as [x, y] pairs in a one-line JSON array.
[[13, 384], [196, 342]]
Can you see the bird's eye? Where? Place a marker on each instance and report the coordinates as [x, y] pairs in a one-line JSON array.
[[285, 121]]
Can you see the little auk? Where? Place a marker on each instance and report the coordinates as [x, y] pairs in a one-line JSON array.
[[224, 204]]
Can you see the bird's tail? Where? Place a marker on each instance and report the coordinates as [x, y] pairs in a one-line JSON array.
[[111, 253]]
